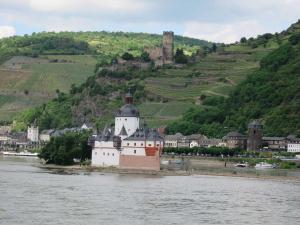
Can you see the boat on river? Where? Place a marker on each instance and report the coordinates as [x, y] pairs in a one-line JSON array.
[[242, 165], [264, 165]]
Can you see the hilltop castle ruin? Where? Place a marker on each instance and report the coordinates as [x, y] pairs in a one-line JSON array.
[[165, 54], [168, 47]]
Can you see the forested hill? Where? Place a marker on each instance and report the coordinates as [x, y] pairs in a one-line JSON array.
[[271, 94], [105, 45]]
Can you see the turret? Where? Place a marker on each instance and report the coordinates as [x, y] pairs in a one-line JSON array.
[[127, 118]]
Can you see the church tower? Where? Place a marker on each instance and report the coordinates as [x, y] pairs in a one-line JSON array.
[[255, 134], [127, 118]]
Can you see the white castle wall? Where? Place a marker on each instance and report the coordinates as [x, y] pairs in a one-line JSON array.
[[104, 154]]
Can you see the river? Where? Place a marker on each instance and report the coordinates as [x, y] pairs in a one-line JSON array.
[[31, 195]]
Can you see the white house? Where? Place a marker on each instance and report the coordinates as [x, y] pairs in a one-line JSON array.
[[128, 145], [33, 133], [293, 144], [293, 147], [45, 135], [194, 143]]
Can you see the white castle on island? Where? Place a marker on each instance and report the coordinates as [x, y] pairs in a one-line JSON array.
[[129, 145]]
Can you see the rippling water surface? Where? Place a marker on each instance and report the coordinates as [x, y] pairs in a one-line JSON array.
[[30, 195]]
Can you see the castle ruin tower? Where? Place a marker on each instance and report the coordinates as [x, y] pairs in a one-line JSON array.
[[168, 47], [255, 134]]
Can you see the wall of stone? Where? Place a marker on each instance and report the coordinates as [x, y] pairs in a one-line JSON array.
[[140, 162]]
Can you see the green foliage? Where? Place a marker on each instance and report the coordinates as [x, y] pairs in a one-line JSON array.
[[243, 40], [295, 38], [41, 44], [62, 150], [127, 56], [288, 165], [145, 57], [212, 151], [180, 57], [278, 57], [214, 47]]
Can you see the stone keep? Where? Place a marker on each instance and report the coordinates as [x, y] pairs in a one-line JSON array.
[[168, 47], [255, 134]]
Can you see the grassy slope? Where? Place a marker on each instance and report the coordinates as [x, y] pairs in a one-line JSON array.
[[41, 78]]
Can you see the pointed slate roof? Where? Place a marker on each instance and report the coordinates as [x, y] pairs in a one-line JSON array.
[[145, 134], [123, 132]]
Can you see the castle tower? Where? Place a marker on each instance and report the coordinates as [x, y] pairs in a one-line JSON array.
[[255, 134], [168, 47], [127, 118]]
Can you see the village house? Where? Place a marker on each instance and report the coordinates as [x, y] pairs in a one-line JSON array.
[[171, 141], [45, 135], [128, 145], [235, 140], [293, 144], [274, 143], [4, 130]]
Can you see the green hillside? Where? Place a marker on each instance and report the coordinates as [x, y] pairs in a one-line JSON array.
[[33, 68], [270, 94], [198, 90]]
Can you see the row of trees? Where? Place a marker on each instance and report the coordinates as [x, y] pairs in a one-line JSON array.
[[64, 149], [212, 151]]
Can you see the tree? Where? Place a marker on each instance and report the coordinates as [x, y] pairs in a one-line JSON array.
[[26, 92], [62, 150], [214, 47], [127, 56], [180, 57], [145, 57], [295, 38], [243, 40]]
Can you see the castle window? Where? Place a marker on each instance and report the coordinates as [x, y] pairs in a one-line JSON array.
[[113, 154], [107, 153], [134, 144], [127, 144], [134, 151], [142, 144], [149, 145], [125, 119]]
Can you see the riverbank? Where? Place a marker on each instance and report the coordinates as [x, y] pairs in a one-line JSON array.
[[209, 167]]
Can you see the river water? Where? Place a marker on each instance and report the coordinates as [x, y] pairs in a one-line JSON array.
[[31, 195]]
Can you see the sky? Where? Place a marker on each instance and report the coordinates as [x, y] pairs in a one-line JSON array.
[[213, 20]]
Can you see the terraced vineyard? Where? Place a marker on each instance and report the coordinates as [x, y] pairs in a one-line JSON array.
[[182, 88], [27, 82]]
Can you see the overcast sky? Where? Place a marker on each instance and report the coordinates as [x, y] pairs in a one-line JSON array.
[[213, 20]]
